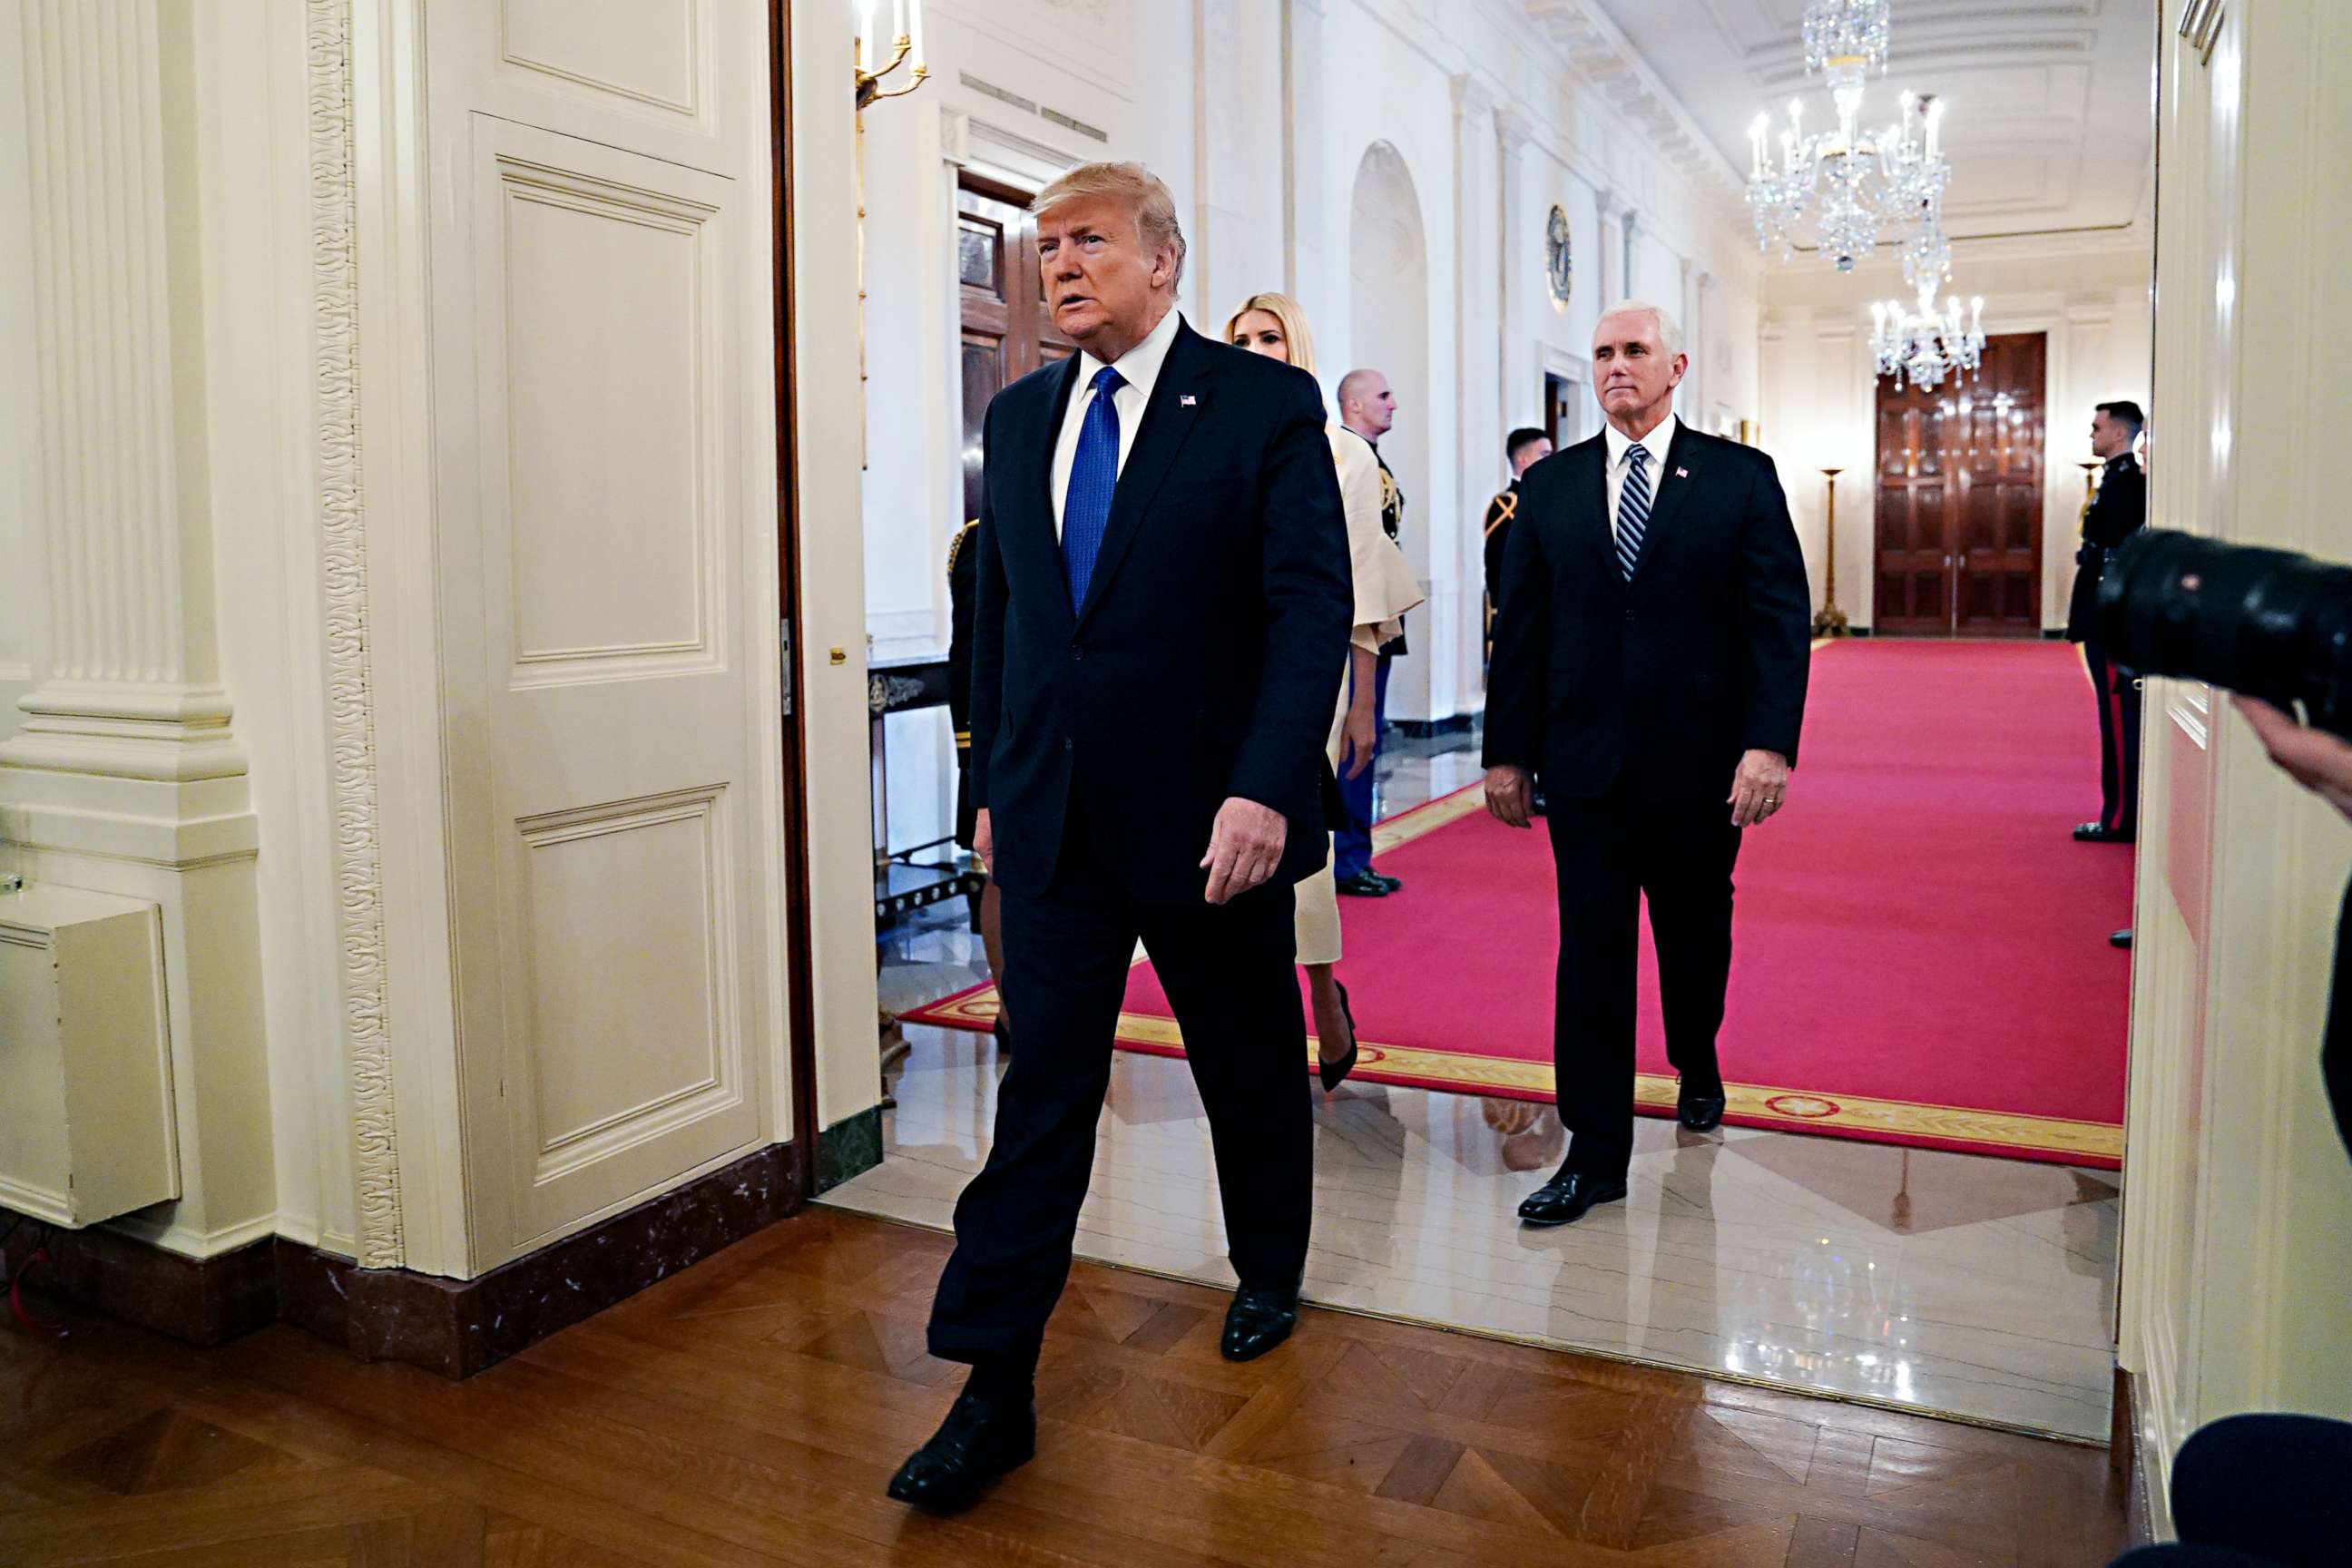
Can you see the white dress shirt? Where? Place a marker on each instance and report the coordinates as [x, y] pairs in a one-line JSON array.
[[1657, 442], [1139, 367]]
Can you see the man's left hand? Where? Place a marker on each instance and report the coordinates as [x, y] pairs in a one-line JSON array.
[[1245, 847], [1760, 787]]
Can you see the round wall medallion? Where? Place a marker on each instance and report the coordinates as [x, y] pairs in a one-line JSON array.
[[1560, 264]]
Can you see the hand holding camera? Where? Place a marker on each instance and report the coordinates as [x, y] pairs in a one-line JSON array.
[[2319, 762]]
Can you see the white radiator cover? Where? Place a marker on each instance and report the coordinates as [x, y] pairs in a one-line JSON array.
[[86, 1124]]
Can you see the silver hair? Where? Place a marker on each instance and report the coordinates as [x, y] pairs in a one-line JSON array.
[[1670, 332], [1143, 192]]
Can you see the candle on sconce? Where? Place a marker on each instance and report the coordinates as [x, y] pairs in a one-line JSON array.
[[1975, 311], [866, 35], [1935, 125], [897, 21], [915, 28]]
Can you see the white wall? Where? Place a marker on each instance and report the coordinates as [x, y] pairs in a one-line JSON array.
[[2238, 1192], [1820, 398]]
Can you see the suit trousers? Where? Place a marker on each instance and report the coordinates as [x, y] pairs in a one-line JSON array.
[[1352, 845], [1610, 851], [1229, 974], [2119, 719]]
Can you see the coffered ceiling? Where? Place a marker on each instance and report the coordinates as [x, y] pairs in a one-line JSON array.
[[2051, 122]]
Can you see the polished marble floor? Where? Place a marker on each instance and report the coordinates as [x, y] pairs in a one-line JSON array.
[[1938, 1282]]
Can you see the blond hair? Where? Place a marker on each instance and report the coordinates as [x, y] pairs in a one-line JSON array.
[[1138, 189], [1293, 317]]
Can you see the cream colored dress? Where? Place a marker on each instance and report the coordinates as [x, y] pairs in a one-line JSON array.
[[1385, 590]]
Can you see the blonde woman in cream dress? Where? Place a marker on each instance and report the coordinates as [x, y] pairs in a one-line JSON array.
[[1274, 325]]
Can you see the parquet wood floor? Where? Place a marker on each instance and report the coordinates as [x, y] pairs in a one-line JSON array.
[[747, 1411]]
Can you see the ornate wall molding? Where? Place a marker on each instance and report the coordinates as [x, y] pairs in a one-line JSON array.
[[359, 878]]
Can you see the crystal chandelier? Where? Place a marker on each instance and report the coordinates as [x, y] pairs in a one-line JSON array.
[[1847, 37], [1854, 184], [1849, 183], [1922, 345]]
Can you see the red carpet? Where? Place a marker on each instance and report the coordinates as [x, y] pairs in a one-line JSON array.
[[1921, 951]]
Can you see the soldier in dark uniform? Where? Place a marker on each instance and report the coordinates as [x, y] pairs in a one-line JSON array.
[[963, 593], [1523, 449], [2119, 509]]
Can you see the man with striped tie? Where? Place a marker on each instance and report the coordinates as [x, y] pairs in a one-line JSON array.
[[1651, 655]]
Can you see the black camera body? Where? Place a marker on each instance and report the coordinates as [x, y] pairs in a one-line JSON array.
[[2267, 623]]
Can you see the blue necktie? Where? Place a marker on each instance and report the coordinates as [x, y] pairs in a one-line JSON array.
[[1633, 510], [1093, 474]]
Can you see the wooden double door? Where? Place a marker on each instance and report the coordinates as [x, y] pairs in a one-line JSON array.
[[1960, 499], [1006, 331]]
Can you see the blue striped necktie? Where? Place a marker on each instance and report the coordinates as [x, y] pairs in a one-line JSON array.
[[1093, 474], [1633, 510]]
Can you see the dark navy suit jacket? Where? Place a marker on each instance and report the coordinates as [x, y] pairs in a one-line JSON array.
[[1666, 680], [1205, 662]]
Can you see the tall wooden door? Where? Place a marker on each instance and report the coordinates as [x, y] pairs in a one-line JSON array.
[[1006, 332], [1960, 499]]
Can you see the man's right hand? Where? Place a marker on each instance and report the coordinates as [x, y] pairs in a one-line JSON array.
[[983, 841], [1509, 795]]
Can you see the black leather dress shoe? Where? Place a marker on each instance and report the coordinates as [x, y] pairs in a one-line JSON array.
[[2099, 833], [1395, 884], [978, 1442], [1537, 805], [1699, 1112], [1257, 1322], [1363, 885], [1568, 1196], [2120, 938]]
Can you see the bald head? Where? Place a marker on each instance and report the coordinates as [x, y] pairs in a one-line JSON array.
[[1366, 404]]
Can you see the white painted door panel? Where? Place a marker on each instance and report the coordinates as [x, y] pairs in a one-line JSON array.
[[589, 258]]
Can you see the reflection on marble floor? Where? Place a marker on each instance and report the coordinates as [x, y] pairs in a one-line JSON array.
[[1942, 1282]]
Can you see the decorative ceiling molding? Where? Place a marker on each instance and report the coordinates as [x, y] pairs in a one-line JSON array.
[[1603, 57]]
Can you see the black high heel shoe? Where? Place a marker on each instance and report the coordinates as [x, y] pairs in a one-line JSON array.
[[1334, 1074]]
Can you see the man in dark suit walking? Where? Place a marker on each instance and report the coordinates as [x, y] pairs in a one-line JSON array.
[[1651, 657], [1164, 604]]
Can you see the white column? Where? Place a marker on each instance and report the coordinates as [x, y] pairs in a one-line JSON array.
[[132, 688], [1238, 199], [1304, 267], [1516, 386], [125, 777], [1702, 337], [1476, 331], [1612, 214]]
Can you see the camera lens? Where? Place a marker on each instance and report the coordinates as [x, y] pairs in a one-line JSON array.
[[2269, 623]]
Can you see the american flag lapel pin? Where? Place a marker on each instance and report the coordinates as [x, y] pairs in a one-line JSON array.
[[1187, 401], [1682, 473]]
